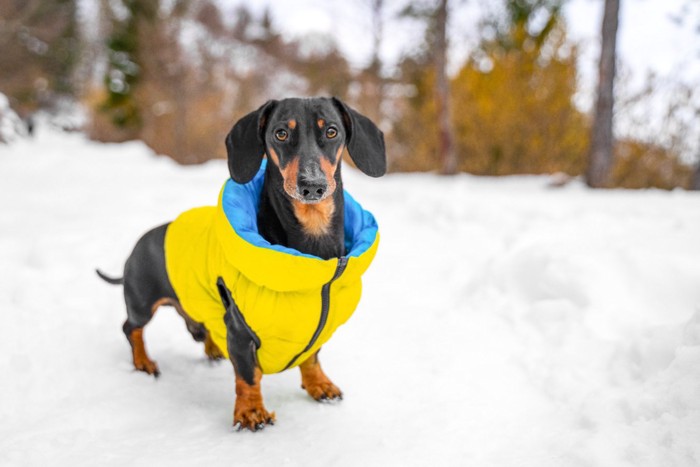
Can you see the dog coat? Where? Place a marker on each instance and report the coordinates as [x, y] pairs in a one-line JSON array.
[[292, 301]]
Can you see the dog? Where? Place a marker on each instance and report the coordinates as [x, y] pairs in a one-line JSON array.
[[266, 276]]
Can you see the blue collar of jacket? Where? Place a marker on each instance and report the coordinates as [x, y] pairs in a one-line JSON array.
[[241, 204], [254, 256]]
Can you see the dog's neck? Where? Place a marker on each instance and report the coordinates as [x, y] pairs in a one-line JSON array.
[[315, 229]]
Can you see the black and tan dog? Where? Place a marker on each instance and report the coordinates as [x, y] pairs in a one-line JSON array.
[[268, 275]]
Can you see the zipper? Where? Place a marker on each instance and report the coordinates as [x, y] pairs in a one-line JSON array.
[[325, 307]]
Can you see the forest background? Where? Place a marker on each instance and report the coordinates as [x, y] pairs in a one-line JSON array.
[[177, 74]]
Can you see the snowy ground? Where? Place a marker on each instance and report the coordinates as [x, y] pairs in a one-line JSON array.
[[503, 323]]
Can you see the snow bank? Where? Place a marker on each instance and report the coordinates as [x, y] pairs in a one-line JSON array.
[[11, 126], [503, 323]]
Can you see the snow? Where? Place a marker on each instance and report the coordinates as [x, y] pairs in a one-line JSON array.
[[11, 126], [502, 323]]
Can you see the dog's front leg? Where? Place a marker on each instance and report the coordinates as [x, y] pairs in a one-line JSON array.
[[249, 411], [315, 381], [242, 343]]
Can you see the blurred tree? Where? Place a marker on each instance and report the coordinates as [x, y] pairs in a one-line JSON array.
[[423, 136], [689, 12], [600, 156], [442, 92], [314, 58], [645, 165], [179, 76], [514, 95], [40, 46], [416, 130], [125, 55], [159, 87], [661, 122], [414, 136], [372, 84], [695, 180], [512, 108]]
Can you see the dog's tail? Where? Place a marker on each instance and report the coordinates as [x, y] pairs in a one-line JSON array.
[[111, 280]]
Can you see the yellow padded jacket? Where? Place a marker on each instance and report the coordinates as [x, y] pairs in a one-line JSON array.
[[279, 291]]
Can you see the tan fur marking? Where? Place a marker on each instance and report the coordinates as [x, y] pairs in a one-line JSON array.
[[165, 301], [289, 174], [292, 124], [329, 169], [249, 410], [275, 158], [320, 122], [211, 349], [138, 350], [315, 218], [315, 381], [338, 155]]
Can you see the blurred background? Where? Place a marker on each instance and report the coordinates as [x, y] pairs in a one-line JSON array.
[[486, 87]]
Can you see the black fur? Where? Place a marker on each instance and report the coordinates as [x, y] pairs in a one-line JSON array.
[[365, 141], [245, 145], [145, 278], [111, 280], [242, 342]]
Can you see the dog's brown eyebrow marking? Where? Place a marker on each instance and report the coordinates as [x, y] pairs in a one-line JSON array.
[[320, 122], [292, 124]]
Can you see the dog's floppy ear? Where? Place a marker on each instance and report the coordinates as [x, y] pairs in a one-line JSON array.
[[245, 144], [365, 141]]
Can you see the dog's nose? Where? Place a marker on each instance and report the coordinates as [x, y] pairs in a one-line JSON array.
[[312, 190]]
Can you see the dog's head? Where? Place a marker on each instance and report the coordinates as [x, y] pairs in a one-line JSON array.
[[304, 139]]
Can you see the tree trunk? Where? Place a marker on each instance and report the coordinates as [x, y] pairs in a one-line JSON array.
[[377, 7], [442, 93], [375, 91], [600, 156], [695, 180]]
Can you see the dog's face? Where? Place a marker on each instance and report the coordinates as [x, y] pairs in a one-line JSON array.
[[304, 140]]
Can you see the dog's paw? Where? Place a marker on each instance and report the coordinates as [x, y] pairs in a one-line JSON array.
[[323, 391], [147, 366], [316, 383], [253, 418], [212, 350]]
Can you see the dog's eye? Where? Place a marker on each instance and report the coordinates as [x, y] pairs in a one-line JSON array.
[[331, 132], [281, 135]]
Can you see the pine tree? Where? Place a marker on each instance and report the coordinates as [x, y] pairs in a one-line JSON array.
[[124, 67]]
